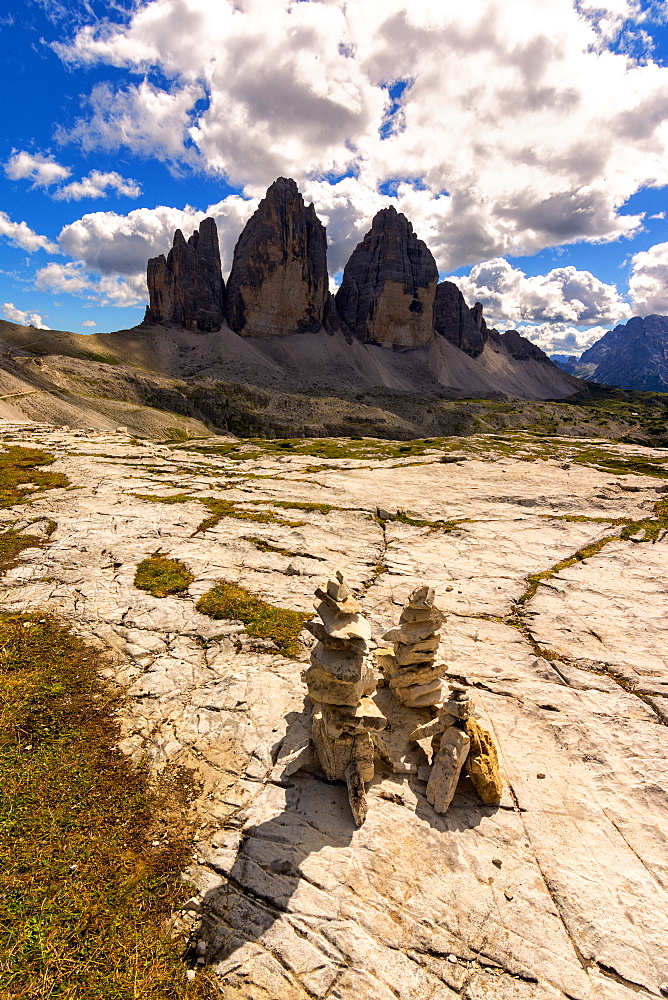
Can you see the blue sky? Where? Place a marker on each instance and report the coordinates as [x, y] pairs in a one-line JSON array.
[[527, 143]]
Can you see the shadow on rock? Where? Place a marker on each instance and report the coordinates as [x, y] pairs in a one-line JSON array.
[[466, 811], [262, 867], [297, 816]]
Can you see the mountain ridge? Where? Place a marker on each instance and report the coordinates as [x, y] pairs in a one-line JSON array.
[[389, 298], [634, 355]]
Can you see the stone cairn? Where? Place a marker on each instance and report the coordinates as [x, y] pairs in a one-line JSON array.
[[415, 675], [340, 680], [459, 742], [413, 672]]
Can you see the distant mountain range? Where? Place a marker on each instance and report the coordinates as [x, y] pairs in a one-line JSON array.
[[632, 356]]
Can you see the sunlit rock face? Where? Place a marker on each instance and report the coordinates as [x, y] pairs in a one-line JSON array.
[[278, 284], [387, 292], [187, 288]]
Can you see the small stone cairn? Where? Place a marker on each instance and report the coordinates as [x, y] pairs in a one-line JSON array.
[[459, 742], [413, 672], [340, 680]]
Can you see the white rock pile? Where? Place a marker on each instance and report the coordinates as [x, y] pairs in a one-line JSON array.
[[340, 681], [459, 741], [413, 671]]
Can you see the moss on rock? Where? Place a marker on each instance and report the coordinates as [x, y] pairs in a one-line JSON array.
[[262, 620], [162, 576]]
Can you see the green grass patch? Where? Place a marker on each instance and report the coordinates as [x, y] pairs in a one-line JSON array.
[[534, 580], [13, 542], [650, 526], [621, 466], [263, 546], [262, 620], [173, 434], [83, 892], [105, 359], [162, 576], [20, 477], [219, 509], [416, 522], [583, 519], [320, 508], [332, 448]]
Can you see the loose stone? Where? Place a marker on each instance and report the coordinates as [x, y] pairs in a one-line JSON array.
[[447, 767]]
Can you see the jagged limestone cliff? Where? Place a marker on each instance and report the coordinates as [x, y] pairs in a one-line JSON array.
[[387, 291], [187, 288], [278, 284]]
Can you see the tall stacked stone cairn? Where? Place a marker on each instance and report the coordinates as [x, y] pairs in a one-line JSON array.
[[340, 680], [459, 742], [414, 672]]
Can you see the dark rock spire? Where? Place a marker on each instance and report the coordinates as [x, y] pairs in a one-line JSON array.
[[463, 327], [279, 284], [187, 287], [387, 292]]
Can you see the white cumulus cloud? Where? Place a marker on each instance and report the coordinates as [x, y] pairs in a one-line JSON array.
[[559, 338], [648, 283], [113, 244], [21, 235], [146, 119], [517, 127], [89, 322], [96, 184], [73, 279], [563, 295], [43, 171], [14, 315]]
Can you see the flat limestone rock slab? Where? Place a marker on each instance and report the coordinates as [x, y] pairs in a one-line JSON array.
[[613, 610], [559, 891]]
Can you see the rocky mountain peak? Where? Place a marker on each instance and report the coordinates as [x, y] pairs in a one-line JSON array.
[[519, 347], [279, 283], [463, 327], [478, 318], [634, 355], [387, 292], [187, 288]]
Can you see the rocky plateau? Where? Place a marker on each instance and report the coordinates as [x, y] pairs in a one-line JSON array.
[[550, 572]]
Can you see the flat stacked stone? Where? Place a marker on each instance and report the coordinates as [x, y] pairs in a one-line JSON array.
[[413, 672], [458, 741], [340, 680]]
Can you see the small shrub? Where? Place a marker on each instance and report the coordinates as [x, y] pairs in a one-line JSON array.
[[162, 576]]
